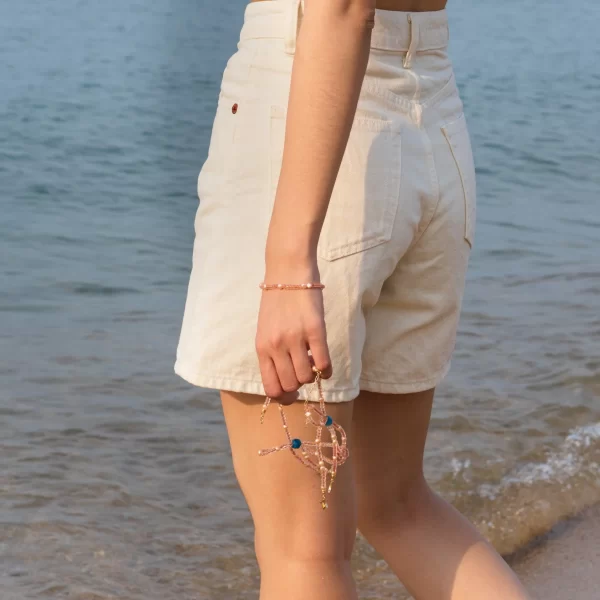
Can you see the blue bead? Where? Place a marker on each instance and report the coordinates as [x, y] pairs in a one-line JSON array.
[[329, 422], [296, 443]]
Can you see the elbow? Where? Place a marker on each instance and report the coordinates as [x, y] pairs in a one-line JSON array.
[[360, 13]]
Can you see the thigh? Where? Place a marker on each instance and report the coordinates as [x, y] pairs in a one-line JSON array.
[[283, 495], [388, 441]]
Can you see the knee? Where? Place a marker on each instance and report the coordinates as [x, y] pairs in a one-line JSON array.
[[304, 546], [384, 508]]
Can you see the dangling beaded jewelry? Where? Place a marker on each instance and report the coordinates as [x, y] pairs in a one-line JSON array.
[[311, 453]]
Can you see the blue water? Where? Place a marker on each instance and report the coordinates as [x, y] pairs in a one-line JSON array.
[[116, 478]]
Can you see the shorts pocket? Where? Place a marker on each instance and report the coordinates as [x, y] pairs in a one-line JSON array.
[[365, 198], [221, 140], [459, 140]]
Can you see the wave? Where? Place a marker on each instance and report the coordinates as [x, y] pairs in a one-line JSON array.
[[528, 501]]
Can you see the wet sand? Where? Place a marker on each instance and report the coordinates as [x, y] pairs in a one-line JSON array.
[[565, 563]]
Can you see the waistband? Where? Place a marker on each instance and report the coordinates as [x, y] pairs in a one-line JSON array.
[[395, 31]]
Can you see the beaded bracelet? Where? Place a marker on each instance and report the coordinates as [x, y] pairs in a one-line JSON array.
[[290, 286], [311, 454]]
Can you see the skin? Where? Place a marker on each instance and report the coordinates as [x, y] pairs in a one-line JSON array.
[[304, 552], [323, 99]]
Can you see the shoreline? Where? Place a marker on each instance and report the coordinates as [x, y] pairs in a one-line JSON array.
[[565, 562]]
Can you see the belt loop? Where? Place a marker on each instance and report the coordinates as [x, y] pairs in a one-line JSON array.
[[293, 26], [414, 41]]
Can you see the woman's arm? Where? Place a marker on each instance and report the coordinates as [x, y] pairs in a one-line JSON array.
[[329, 66]]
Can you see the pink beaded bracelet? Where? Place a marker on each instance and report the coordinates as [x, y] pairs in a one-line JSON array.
[[290, 286]]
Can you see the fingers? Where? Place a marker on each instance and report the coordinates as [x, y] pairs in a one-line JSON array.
[[284, 358], [317, 341], [271, 382], [285, 371], [302, 364]]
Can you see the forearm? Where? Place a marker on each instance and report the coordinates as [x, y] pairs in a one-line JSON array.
[[329, 66]]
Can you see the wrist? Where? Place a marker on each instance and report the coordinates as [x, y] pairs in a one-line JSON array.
[[291, 267], [291, 251]]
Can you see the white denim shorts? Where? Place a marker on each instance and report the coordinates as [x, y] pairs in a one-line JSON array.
[[396, 240]]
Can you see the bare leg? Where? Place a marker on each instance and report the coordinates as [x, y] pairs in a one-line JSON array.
[[434, 550], [302, 550]]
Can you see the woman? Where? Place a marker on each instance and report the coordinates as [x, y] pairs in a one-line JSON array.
[[340, 154]]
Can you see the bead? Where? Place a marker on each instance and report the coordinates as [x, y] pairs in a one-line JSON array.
[[234, 108], [314, 454], [291, 286]]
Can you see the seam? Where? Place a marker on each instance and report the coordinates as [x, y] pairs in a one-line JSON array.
[[467, 196], [411, 382], [251, 64], [245, 85], [447, 87], [436, 190], [441, 93], [212, 377], [432, 168]]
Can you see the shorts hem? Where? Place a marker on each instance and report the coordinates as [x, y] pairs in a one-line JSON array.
[[254, 386], [410, 387]]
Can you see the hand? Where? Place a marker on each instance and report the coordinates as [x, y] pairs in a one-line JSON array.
[[290, 322]]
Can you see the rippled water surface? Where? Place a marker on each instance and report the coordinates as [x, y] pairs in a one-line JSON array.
[[116, 479]]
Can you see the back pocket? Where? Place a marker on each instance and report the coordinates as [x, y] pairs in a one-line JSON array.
[[459, 140], [366, 194]]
